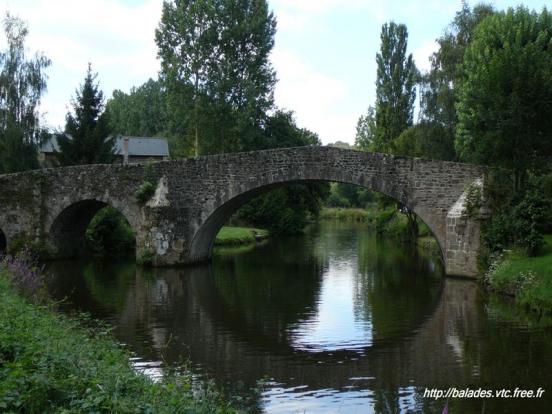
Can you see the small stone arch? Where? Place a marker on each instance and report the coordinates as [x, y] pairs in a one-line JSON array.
[[66, 233], [203, 241], [3, 243]]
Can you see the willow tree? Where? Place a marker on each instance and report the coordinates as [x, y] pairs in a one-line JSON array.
[[22, 83]]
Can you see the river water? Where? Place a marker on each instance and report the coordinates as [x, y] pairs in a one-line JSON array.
[[336, 320]]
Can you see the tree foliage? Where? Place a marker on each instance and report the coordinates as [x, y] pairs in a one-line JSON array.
[[216, 70], [366, 130], [142, 112], [87, 137], [22, 83], [425, 140], [439, 87], [395, 86], [504, 108]]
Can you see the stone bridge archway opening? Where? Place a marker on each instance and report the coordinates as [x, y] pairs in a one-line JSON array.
[[109, 231], [3, 243], [203, 242]]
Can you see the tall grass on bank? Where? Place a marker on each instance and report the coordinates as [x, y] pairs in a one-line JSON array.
[[528, 279], [51, 363], [345, 214]]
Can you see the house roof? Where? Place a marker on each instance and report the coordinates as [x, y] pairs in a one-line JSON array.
[[137, 146], [144, 146]]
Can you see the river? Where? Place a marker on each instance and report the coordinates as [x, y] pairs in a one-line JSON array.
[[335, 320]]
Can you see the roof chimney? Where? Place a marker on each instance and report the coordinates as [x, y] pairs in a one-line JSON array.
[[125, 150]]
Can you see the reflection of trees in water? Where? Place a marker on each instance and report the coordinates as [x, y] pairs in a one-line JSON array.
[[231, 318], [396, 286], [265, 292]]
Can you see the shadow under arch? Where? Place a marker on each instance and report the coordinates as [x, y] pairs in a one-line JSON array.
[[202, 244], [68, 228], [3, 243]]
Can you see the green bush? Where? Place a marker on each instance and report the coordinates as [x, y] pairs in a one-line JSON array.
[[528, 279], [145, 192], [109, 234], [519, 224]]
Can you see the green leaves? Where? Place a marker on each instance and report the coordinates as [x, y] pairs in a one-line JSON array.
[[87, 137], [22, 83], [504, 107], [395, 87], [216, 70]]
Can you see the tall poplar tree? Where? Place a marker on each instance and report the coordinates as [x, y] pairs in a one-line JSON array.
[[395, 86], [87, 137], [22, 83]]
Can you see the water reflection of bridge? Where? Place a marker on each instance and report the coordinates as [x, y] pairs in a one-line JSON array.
[[432, 354]]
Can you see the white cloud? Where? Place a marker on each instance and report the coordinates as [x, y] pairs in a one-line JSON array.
[[314, 97], [422, 54], [297, 14], [117, 38]]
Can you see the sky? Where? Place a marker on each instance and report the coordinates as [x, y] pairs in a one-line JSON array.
[[324, 54]]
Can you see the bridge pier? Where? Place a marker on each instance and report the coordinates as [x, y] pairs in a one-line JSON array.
[[462, 237]]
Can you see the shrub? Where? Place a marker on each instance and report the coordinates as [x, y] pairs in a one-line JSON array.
[[145, 192], [109, 234], [518, 224], [25, 276]]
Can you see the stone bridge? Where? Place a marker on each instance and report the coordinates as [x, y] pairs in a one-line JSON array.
[[194, 197]]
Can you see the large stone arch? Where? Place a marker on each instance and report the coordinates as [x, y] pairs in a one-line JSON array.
[[202, 243], [66, 225]]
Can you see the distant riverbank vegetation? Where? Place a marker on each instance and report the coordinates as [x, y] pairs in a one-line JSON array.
[[52, 363]]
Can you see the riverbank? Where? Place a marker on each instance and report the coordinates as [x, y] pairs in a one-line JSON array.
[[232, 236], [386, 221], [528, 279], [55, 363]]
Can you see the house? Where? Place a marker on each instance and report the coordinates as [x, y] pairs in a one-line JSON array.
[[128, 150]]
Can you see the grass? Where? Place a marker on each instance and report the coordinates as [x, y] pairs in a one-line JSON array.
[[51, 363], [345, 214], [528, 279], [239, 235]]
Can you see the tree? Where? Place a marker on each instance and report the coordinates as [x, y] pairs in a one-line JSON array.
[[186, 40], [395, 94], [216, 69], [87, 137], [426, 140], [439, 87], [395, 86], [22, 83], [366, 130], [141, 112], [504, 108]]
